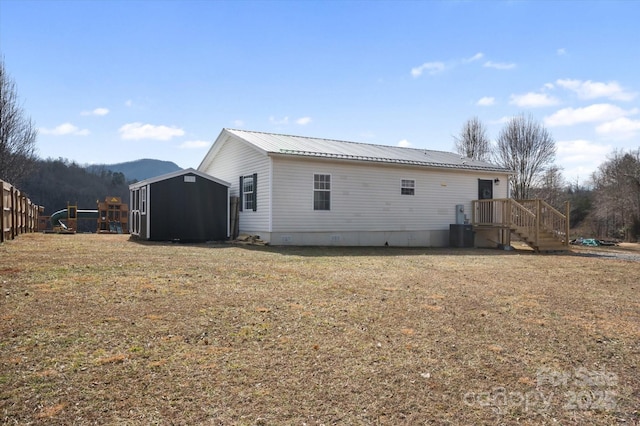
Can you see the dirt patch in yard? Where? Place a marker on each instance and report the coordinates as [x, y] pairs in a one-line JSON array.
[[100, 329]]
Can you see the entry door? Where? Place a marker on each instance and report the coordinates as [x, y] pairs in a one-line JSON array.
[[485, 192]]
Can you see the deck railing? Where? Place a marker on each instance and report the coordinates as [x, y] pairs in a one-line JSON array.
[[530, 217]]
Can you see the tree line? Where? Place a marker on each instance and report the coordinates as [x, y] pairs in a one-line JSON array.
[[608, 208], [54, 183]]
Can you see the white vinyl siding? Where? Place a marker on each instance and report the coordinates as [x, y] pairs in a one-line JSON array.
[[237, 158], [365, 197]]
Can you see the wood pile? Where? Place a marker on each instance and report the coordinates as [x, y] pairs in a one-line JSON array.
[[249, 240]]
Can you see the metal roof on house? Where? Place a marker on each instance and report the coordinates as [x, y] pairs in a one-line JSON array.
[[272, 143]]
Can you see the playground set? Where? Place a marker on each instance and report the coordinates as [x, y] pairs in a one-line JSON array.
[[111, 216]]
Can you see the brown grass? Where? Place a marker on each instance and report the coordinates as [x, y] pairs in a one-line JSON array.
[[99, 329]]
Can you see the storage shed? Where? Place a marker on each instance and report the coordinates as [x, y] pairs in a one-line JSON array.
[[185, 206]]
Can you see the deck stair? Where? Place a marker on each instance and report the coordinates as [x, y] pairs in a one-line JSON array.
[[535, 222]]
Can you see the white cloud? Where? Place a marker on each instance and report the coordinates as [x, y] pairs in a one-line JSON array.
[[97, 111], [437, 67], [533, 100], [499, 65], [135, 131], [580, 158], [431, 67], [278, 122], [238, 123], [128, 103], [561, 52], [303, 121], [594, 89], [592, 113], [580, 151], [65, 129], [194, 144], [486, 101], [404, 143], [620, 128], [475, 57]]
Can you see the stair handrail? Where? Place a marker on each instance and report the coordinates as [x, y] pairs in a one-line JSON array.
[[549, 218], [522, 218], [534, 218], [554, 221]]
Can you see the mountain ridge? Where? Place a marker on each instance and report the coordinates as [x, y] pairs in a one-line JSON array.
[[137, 170]]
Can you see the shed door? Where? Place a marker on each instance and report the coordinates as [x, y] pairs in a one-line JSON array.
[[485, 192]]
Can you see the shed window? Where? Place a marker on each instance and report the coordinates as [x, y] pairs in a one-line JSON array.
[[143, 200], [321, 192], [248, 192], [408, 187]]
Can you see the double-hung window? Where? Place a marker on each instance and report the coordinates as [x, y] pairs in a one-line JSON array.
[[248, 192], [408, 187], [321, 192]]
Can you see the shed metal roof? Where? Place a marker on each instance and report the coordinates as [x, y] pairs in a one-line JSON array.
[[272, 143], [177, 173]]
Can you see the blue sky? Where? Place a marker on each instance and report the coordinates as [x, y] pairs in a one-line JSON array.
[[113, 81]]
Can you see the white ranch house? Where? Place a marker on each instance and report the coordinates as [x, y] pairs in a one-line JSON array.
[[309, 191], [297, 190]]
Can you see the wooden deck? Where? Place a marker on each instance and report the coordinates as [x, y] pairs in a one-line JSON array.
[[535, 222]]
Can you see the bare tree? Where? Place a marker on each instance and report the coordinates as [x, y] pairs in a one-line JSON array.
[[472, 141], [617, 196], [17, 133], [552, 187], [527, 148]]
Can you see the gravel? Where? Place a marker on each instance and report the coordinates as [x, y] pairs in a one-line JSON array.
[[609, 254]]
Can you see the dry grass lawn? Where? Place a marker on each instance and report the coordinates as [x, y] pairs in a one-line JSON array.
[[97, 329]]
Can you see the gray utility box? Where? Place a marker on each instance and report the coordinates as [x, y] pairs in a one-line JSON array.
[[460, 235]]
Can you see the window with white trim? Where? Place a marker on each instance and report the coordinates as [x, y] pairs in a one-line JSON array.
[[408, 187], [321, 192], [143, 200], [248, 192]]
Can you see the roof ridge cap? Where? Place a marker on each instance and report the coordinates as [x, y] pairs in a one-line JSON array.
[[339, 140]]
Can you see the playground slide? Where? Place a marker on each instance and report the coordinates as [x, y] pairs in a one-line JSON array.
[[82, 214]]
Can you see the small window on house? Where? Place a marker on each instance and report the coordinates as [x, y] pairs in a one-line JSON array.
[[143, 200], [321, 192], [408, 187], [189, 178], [247, 192]]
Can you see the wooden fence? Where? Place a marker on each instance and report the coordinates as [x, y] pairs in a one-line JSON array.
[[19, 214]]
